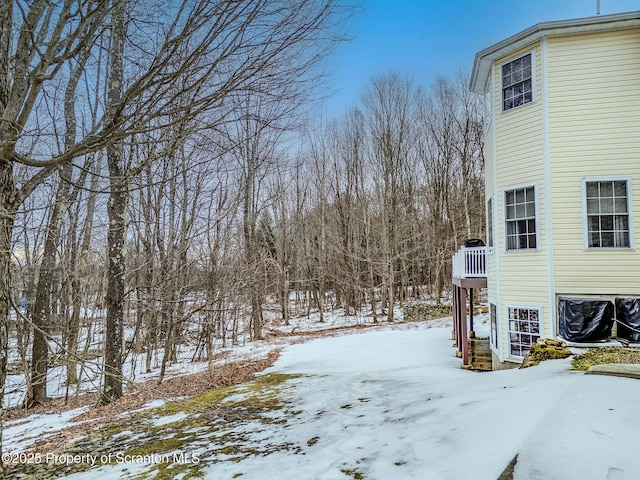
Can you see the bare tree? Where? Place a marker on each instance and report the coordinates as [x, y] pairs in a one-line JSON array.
[[80, 264], [388, 115], [116, 208], [469, 146], [219, 46], [353, 213]]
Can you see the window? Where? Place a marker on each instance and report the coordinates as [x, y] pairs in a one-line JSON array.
[[524, 329], [520, 207], [493, 316], [517, 83], [490, 223], [488, 105], [607, 214]]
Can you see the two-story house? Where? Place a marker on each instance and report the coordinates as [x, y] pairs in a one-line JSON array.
[[562, 173]]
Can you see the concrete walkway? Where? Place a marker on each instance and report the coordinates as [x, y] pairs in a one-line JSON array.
[[630, 370]]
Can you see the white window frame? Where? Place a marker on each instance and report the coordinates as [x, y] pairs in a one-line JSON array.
[[585, 213], [494, 335], [491, 231], [505, 219], [531, 52], [488, 104], [509, 321]]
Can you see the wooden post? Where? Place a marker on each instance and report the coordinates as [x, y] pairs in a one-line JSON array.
[[463, 329], [454, 311], [471, 334]]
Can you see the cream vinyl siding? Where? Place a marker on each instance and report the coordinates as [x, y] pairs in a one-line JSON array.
[[594, 132], [519, 163], [492, 259], [489, 175], [488, 167], [518, 137], [489, 184]]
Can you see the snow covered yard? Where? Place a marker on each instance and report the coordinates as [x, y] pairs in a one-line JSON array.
[[395, 404], [389, 403]]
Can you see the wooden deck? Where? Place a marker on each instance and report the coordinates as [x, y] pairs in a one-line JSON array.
[[469, 272]]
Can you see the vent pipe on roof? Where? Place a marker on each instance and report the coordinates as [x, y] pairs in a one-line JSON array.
[[598, 8]]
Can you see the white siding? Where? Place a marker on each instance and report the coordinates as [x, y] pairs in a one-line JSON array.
[[594, 109], [584, 123], [519, 162]]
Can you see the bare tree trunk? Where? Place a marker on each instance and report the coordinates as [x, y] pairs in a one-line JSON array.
[[168, 346], [76, 270], [8, 207], [370, 265], [73, 327], [79, 257], [8, 197], [117, 209], [37, 394], [322, 243]]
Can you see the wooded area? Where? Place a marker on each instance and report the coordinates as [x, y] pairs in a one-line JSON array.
[[166, 181]]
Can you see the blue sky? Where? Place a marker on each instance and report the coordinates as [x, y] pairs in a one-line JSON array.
[[429, 38]]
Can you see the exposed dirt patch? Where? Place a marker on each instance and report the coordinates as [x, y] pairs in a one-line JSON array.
[[507, 473]]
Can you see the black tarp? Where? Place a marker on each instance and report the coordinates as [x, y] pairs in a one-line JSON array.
[[585, 320], [628, 313]]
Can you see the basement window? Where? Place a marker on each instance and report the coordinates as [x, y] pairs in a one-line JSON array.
[[524, 329]]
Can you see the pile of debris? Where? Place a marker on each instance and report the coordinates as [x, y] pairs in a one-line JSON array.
[[545, 349]]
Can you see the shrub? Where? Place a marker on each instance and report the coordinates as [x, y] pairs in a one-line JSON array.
[[419, 312]]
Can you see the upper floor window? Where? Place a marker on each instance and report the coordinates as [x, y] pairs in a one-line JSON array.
[[517, 82], [520, 205], [607, 213], [488, 105]]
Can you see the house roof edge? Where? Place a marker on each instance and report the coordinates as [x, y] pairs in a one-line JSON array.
[[484, 58]]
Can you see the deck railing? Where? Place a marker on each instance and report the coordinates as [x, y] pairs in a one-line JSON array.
[[470, 262]]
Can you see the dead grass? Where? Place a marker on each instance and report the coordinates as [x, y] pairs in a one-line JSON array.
[[600, 356], [223, 375], [231, 373], [54, 405], [98, 417]]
